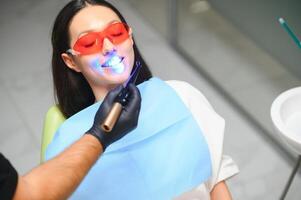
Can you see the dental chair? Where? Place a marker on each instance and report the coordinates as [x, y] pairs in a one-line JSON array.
[[54, 118]]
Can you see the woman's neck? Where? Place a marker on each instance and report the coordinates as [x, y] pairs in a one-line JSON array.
[[101, 92]]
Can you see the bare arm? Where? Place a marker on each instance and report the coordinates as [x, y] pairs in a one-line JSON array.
[[220, 191], [59, 177]]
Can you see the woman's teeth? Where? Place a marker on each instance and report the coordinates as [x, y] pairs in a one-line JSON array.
[[115, 60]]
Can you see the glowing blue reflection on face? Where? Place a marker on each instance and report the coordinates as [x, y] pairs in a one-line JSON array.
[[113, 65], [97, 66]]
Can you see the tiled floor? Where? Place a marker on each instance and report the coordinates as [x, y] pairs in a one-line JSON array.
[[26, 91]]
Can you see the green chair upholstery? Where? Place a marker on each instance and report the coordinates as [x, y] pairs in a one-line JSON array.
[[54, 118]]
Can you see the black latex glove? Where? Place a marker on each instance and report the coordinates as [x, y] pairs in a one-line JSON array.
[[127, 121]]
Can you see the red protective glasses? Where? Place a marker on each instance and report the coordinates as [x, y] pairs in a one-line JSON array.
[[92, 42]]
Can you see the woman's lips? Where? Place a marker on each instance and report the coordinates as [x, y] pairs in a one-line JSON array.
[[111, 62]]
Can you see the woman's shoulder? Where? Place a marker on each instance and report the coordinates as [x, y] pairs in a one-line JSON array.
[[212, 126], [188, 93], [198, 105], [210, 122]]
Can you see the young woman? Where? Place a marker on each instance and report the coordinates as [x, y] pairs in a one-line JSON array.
[[176, 149]]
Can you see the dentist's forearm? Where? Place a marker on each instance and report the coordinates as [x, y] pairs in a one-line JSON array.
[[59, 177]]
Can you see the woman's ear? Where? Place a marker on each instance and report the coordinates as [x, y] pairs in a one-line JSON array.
[[131, 35], [69, 61]]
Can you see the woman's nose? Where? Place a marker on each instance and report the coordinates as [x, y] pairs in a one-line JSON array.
[[107, 47]]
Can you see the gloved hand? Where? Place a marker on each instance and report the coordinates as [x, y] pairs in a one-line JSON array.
[[127, 121]]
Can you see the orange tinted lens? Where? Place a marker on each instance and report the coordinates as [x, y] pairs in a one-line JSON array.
[[88, 44], [117, 33], [92, 42]]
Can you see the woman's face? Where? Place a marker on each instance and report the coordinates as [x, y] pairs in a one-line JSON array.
[[113, 63]]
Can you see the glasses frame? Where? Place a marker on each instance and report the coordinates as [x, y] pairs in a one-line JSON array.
[[76, 53]]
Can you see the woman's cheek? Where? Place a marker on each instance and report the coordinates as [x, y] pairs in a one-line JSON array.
[[130, 57]]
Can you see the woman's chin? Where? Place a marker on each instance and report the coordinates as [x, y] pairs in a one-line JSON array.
[[117, 78]]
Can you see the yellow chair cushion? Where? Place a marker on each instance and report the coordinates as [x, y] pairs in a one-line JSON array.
[[54, 118]]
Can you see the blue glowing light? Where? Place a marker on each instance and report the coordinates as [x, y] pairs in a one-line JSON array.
[[113, 65], [97, 66], [118, 68], [113, 61]]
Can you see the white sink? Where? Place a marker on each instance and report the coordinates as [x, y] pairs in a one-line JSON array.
[[286, 116]]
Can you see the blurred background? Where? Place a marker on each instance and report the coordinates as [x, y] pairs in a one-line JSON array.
[[234, 51]]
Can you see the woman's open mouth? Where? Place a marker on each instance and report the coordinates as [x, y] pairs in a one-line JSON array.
[[113, 65], [112, 62]]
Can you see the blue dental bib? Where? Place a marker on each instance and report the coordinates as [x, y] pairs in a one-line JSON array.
[[163, 157]]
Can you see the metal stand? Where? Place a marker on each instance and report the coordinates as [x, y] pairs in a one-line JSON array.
[[291, 178], [172, 10]]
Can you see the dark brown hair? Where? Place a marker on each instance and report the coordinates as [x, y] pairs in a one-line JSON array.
[[71, 89]]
